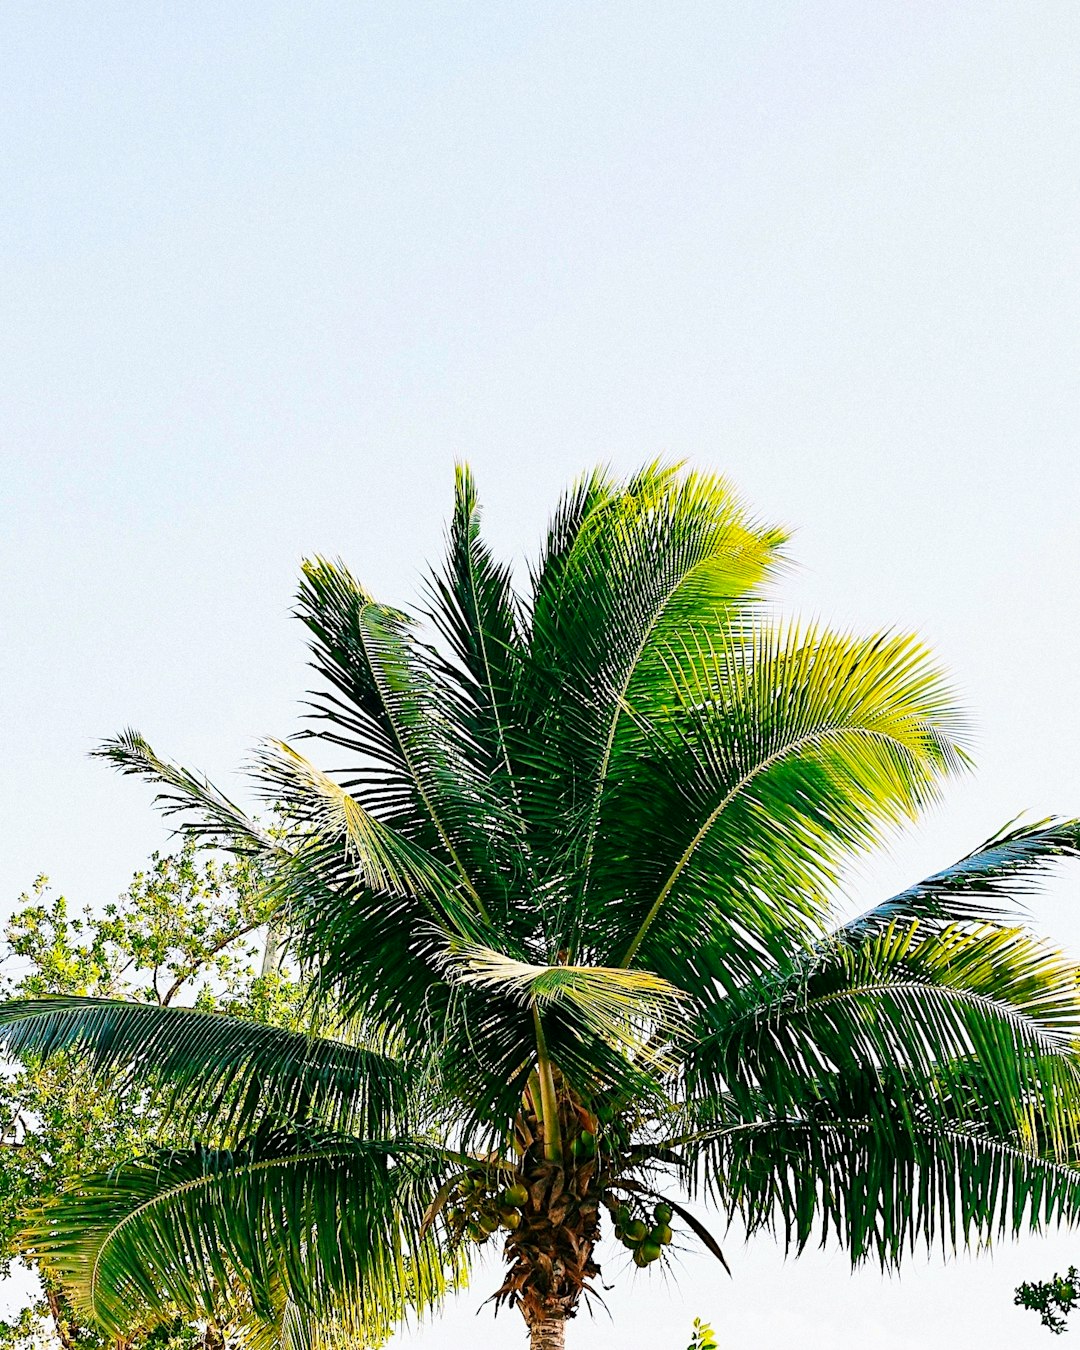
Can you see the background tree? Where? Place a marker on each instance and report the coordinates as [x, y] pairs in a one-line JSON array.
[[571, 900], [185, 931], [1052, 1299]]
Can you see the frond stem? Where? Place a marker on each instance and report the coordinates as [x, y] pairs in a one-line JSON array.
[[549, 1104]]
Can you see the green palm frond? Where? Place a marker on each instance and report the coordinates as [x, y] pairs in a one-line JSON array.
[[985, 885], [883, 1185], [732, 807], [350, 713], [318, 1219], [381, 860], [211, 816], [632, 568], [476, 611], [979, 1024], [218, 1069]]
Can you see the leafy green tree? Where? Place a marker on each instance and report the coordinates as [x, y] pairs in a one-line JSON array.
[[570, 894], [1052, 1299], [185, 930]]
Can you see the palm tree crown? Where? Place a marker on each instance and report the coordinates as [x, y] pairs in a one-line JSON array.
[[567, 901]]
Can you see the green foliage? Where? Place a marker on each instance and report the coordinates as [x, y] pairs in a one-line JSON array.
[[574, 882], [1052, 1299], [704, 1338], [185, 929]]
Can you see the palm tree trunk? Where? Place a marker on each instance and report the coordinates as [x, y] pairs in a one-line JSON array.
[[272, 952], [547, 1333]]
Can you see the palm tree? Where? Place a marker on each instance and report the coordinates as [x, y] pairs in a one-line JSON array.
[[570, 899]]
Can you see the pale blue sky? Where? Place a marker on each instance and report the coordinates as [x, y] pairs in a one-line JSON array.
[[268, 269]]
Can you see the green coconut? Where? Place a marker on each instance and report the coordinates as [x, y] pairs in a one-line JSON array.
[[649, 1251], [662, 1213], [636, 1230], [639, 1260], [515, 1196], [661, 1235]]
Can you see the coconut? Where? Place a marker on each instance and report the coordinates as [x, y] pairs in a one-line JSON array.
[[512, 1220], [515, 1196], [640, 1260], [649, 1251], [662, 1213], [489, 1222], [636, 1230], [661, 1235]]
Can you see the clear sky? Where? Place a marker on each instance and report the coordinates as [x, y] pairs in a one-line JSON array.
[[269, 268]]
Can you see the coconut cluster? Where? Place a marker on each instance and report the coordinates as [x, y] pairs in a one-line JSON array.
[[645, 1238], [482, 1209]]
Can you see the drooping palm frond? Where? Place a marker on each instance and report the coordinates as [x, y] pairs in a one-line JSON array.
[[321, 1219], [884, 1184], [220, 1071], [986, 885], [979, 1024], [633, 1010]]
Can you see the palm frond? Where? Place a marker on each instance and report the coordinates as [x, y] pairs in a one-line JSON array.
[[973, 1024], [331, 603], [317, 1219], [475, 610], [976, 888], [884, 1184], [331, 818], [732, 808], [635, 1010], [212, 817], [218, 1070], [636, 566]]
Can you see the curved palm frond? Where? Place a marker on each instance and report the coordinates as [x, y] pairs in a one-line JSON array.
[[635, 1011], [989, 1018], [732, 807], [380, 859], [636, 566], [218, 1070], [317, 1219], [976, 888], [213, 818], [883, 1185]]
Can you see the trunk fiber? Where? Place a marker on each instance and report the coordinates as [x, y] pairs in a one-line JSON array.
[[547, 1333]]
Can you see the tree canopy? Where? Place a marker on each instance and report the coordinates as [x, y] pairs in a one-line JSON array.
[[562, 868]]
